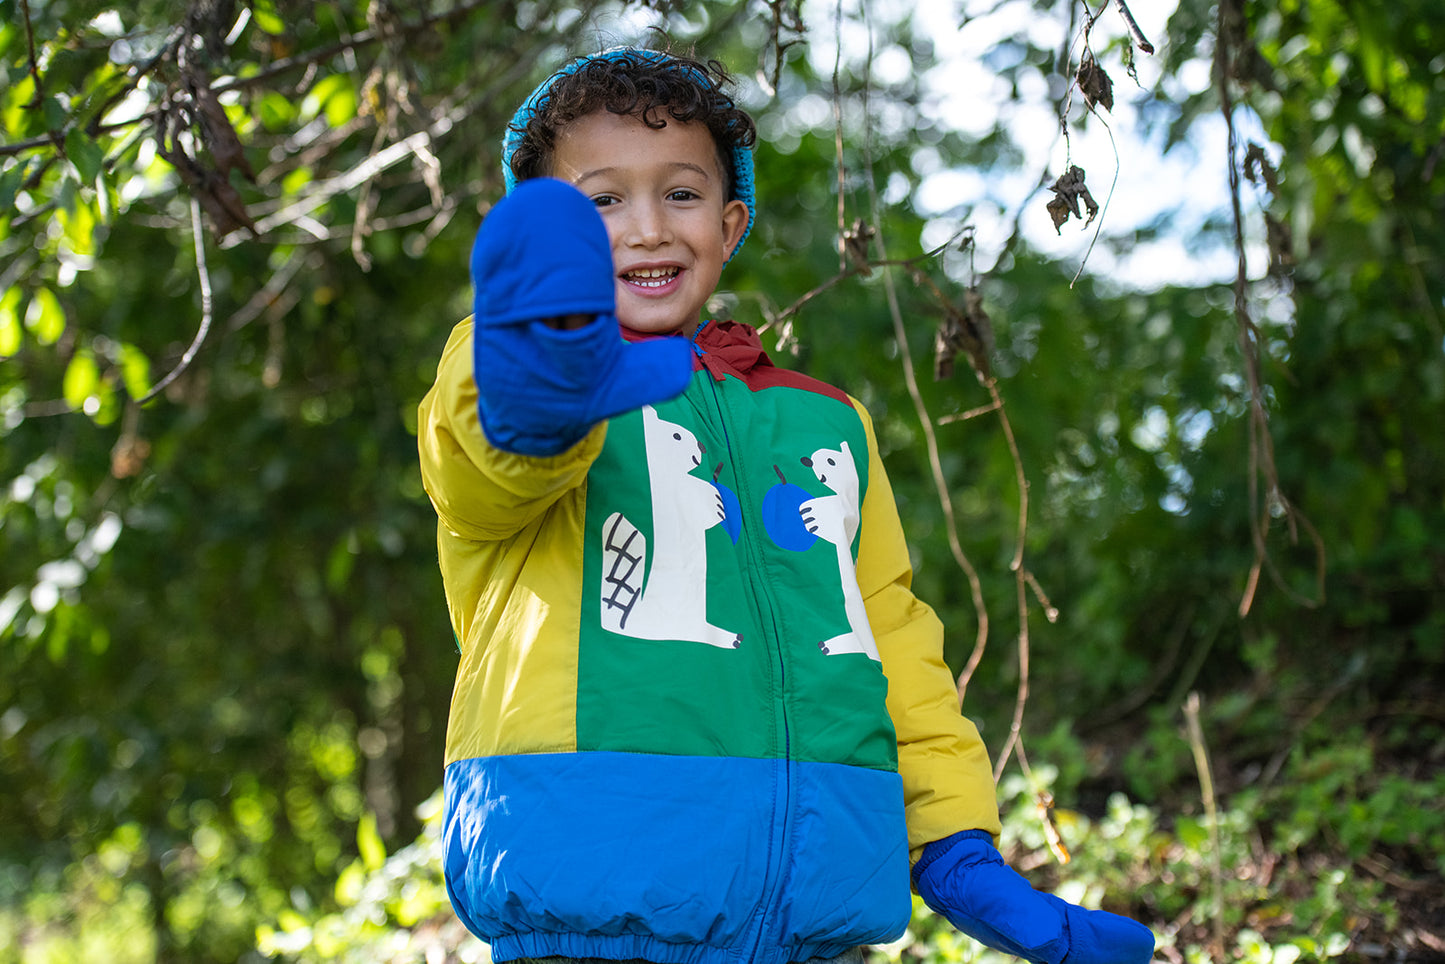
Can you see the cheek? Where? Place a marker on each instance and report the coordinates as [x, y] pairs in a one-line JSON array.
[[614, 228]]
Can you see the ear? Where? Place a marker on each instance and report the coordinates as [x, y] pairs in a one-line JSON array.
[[734, 221]]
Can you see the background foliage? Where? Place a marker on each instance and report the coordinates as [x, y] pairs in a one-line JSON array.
[[231, 243]]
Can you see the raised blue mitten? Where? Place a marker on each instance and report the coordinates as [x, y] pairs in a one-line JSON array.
[[542, 252], [964, 878]]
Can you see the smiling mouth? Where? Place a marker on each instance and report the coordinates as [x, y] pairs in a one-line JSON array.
[[650, 277]]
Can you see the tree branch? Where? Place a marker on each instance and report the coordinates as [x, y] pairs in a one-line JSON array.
[[39, 97], [204, 275], [1140, 40], [285, 65], [925, 421], [1261, 443]]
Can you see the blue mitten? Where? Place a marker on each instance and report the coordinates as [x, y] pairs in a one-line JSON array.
[[542, 252], [964, 878]]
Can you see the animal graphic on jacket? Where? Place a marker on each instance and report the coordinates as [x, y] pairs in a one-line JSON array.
[[664, 597], [834, 519]]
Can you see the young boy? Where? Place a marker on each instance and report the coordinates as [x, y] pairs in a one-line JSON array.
[[699, 715]]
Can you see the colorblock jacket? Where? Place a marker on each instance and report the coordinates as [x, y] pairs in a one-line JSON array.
[[699, 716]]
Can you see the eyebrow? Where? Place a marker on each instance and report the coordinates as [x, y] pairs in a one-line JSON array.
[[671, 167]]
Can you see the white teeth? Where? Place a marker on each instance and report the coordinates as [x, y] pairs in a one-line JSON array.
[[651, 277]]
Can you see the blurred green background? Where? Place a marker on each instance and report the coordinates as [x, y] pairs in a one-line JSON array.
[[225, 659]]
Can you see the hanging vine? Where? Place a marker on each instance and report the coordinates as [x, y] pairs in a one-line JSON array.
[[1266, 500]]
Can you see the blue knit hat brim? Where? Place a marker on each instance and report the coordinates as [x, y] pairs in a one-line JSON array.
[[742, 158]]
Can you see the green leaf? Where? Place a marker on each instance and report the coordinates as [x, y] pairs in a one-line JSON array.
[[45, 317], [295, 180], [135, 371], [275, 110], [55, 113], [15, 115], [1192, 833], [349, 884], [11, 332], [105, 405], [78, 220], [321, 95], [341, 105], [368, 843], [267, 18], [87, 155], [10, 181], [82, 379], [339, 564]]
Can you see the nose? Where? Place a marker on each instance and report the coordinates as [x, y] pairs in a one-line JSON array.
[[647, 225]]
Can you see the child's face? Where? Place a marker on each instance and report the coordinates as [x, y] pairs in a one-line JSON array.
[[663, 200]]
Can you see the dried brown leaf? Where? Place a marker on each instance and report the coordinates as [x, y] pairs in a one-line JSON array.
[[1095, 83], [217, 133], [1069, 192], [969, 331], [855, 243], [1058, 211], [1257, 167], [1281, 245]]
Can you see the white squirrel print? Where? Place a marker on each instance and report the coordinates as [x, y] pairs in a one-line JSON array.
[[834, 518], [672, 602]]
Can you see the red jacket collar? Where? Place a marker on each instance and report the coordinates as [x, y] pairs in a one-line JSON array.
[[722, 347]]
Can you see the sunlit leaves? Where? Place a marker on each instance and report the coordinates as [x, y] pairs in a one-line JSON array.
[[368, 843], [13, 174], [11, 334], [275, 110], [85, 153], [82, 382], [78, 221], [45, 317], [135, 368], [268, 18], [333, 95]]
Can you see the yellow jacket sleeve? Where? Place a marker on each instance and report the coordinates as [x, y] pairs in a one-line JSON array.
[[947, 781], [480, 492]]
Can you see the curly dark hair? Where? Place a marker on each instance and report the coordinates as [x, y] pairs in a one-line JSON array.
[[652, 89]]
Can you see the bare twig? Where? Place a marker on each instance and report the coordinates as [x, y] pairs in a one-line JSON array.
[[269, 293], [972, 413], [1051, 613], [1086, 59], [203, 275], [1261, 443], [838, 132], [864, 268], [900, 336], [317, 194], [261, 77], [361, 39], [1211, 814], [1021, 697], [1140, 40], [783, 19], [39, 96], [1107, 198]]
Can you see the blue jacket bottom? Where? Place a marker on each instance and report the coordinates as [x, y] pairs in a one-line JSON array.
[[677, 860]]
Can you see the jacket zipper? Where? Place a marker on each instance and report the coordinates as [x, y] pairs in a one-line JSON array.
[[782, 814]]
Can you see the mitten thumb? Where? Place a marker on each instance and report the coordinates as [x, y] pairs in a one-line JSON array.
[[641, 374], [1099, 937]]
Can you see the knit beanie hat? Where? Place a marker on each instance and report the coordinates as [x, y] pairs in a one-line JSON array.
[[742, 158]]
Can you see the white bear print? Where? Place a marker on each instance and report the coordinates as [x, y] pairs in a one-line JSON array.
[[672, 604], [834, 518]]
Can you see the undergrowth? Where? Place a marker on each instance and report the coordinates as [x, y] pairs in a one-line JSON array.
[[1338, 857]]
